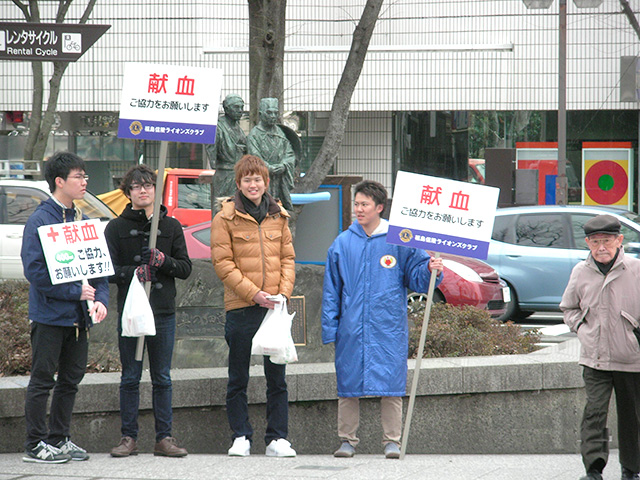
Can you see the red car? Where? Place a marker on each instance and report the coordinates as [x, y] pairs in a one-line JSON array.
[[467, 281]]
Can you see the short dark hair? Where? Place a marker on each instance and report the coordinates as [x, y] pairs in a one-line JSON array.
[[372, 189], [251, 165], [60, 165], [139, 174]]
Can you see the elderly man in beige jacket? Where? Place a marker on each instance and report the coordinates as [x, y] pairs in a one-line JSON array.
[[602, 304]]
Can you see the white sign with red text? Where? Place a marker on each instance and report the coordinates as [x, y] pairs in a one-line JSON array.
[[75, 251], [442, 215], [169, 103]]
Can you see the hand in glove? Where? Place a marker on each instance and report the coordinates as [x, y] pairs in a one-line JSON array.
[[152, 256], [146, 273]]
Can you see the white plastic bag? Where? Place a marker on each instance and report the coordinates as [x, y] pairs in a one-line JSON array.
[[137, 316], [273, 338]]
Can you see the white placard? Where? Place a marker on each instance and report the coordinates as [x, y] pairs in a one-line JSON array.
[[169, 103], [442, 215], [75, 251]]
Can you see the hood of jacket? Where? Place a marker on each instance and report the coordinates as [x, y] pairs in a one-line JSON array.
[[381, 229]]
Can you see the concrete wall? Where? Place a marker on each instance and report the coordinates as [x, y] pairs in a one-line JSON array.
[[507, 404], [200, 319]]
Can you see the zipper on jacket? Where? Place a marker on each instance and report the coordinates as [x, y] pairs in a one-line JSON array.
[[264, 265]]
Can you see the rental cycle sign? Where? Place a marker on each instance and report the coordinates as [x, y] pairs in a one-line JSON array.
[[169, 103], [442, 215], [47, 41]]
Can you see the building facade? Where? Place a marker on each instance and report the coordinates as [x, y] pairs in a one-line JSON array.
[[442, 81]]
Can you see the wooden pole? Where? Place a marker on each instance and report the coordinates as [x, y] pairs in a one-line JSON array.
[[155, 219], [416, 371]]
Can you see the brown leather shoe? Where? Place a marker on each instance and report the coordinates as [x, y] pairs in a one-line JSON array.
[[168, 447], [126, 447]]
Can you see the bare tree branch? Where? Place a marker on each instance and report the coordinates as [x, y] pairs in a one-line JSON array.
[[63, 8], [24, 8], [87, 12], [342, 99], [630, 16], [41, 122]]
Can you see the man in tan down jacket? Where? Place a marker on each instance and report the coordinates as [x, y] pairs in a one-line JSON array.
[[252, 253], [602, 304]]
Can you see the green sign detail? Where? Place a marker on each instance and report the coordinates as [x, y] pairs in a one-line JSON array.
[[65, 256]]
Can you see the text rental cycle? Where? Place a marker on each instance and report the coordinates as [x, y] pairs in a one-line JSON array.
[[29, 51]]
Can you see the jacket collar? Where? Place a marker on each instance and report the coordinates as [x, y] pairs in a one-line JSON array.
[[140, 215], [590, 261], [272, 208], [231, 206]]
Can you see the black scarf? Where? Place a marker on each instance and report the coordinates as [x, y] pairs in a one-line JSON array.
[[605, 267], [258, 212]]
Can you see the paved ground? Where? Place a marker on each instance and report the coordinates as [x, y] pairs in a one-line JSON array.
[[370, 467]]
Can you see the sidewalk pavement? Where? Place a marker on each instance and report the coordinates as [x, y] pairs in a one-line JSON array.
[[370, 467]]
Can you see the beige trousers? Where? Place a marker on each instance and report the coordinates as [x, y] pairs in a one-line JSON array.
[[349, 419]]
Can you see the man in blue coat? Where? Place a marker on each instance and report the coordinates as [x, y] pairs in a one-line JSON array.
[[60, 319], [364, 311]]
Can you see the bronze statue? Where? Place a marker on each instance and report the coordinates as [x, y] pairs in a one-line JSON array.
[[267, 141], [230, 145]]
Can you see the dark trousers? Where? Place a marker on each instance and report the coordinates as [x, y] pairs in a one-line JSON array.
[[593, 432], [54, 349], [160, 349], [242, 324]]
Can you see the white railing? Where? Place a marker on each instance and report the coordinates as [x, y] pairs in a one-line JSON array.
[[19, 168]]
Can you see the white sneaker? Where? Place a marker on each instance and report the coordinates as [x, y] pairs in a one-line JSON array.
[[280, 448], [241, 447]]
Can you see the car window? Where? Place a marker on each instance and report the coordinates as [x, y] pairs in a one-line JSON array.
[[204, 236], [19, 203], [193, 194], [578, 221], [501, 230], [540, 231], [92, 207]]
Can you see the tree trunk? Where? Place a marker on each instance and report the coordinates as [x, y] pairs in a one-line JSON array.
[[49, 116], [36, 110], [266, 52]]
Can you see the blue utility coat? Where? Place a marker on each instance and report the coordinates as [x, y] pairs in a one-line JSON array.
[[364, 310], [57, 305]]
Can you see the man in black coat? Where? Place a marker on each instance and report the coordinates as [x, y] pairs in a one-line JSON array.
[[128, 240]]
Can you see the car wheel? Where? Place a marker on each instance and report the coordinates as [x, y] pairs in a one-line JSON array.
[[416, 301], [512, 311]]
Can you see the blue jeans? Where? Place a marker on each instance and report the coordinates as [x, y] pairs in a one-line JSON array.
[[242, 324], [160, 350]]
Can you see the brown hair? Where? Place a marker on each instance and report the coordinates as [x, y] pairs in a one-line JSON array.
[[372, 189], [250, 164], [137, 174]]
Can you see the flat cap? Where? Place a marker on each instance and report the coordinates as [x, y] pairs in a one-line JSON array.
[[602, 224]]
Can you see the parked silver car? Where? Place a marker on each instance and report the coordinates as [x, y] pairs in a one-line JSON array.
[[18, 200], [535, 248]]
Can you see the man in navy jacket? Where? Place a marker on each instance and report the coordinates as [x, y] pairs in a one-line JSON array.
[[60, 319]]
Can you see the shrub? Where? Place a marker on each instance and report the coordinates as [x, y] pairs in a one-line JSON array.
[[15, 344], [15, 347], [467, 331]]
